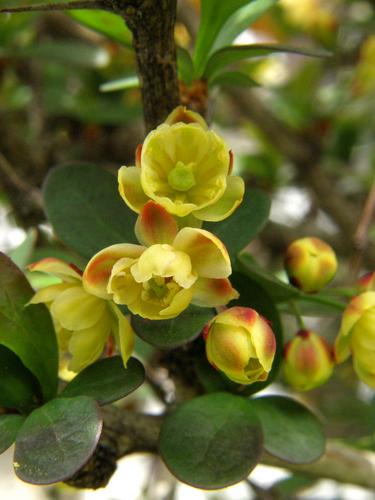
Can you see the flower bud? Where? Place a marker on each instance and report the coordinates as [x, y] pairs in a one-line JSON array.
[[241, 344], [310, 264], [357, 336], [308, 361]]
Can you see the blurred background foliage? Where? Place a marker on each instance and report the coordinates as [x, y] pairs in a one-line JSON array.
[[301, 128]]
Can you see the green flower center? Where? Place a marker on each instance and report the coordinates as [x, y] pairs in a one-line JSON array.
[[181, 177], [158, 287]]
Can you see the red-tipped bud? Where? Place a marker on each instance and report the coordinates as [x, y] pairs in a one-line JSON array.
[[308, 361], [310, 264]]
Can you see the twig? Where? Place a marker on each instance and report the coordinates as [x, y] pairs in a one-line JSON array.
[[361, 238], [126, 432], [33, 194], [48, 7]]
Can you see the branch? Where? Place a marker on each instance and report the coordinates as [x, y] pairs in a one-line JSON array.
[[152, 24], [48, 7], [126, 432], [341, 463]]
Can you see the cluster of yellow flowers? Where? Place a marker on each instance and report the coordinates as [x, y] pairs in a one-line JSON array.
[[182, 177]]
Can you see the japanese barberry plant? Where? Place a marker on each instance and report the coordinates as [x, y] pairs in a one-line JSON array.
[[157, 275]]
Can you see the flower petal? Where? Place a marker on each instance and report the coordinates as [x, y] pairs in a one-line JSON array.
[[87, 345], [208, 255], [130, 188], [209, 292], [49, 293], [355, 310], [124, 334], [155, 225], [184, 115], [179, 303], [75, 309], [164, 261], [99, 268], [225, 205], [57, 267], [368, 377]]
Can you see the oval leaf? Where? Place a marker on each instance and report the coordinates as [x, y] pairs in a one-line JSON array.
[[9, 427], [173, 332], [56, 440], [291, 432], [18, 386], [107, 380], [85, 209], [246, 222], [212, 441], [27, 331]]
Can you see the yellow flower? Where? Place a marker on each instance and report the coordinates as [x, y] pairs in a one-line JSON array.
[[83, 322], [310, 264], [184, 167], [357, 336], [160, 281], [308, 361], [241, 344]]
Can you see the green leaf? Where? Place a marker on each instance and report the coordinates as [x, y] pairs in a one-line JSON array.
[[107, 380], [85, 209], [255, 296], [27, 331], [291, 432], [240, 20], [213, 16], [129, 82], [21, 255], [246, 222], [18, 387], [277, 289], [56, 440], [232, 78], [231, 54], [212, 441], [9, 427], [185, 66], [171, 333], [106, 23]]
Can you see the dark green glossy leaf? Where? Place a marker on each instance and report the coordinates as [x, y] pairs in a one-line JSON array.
[[240, 20], [185, 66], [18, 386], [291, 432], [106, 380], [213, 16], [212, 441], [9, 427], [277, 289], [246, 222], [85, 209], [106, 23], [56, 440], [232, 79], [27, 331], [173, 332], [229, 55], [255, 296]]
